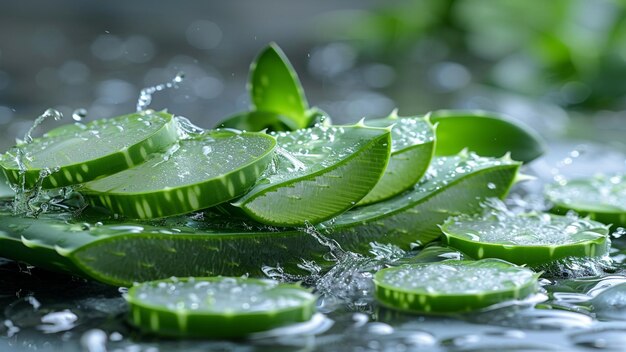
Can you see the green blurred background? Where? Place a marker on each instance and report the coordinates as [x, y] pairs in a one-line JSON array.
[[557, 65]]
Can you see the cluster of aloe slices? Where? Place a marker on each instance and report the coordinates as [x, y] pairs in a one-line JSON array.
[[170, 200]]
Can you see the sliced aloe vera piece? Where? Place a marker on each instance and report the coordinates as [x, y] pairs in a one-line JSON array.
[[80, 153], [275, 87], [196, 173], [453, 286], [602, 198], [412, 147], [530, 238], [453, 185], [323, 172], [217, 307], [485, 133]]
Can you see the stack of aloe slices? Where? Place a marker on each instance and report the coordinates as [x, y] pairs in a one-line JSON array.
[[391, 180]]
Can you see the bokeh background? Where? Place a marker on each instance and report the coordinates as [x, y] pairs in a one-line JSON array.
[[558, 65]]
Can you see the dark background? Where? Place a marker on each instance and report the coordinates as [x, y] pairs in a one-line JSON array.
[[544, 62]]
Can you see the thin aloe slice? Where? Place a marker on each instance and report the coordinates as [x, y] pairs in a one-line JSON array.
[[453, 286], [194, 174], [217, 307], [529, 238], [80, 153], [486, 133], [412, 147], [453, 185], [275, 87], [602, 198], [323, 172]]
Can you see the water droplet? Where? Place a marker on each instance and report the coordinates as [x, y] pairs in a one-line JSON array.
[[145, 96], [79, 114]]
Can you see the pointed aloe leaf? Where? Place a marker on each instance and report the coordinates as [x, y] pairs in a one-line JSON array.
[[526, 239], [453, 185], [453, 286], [195, 173], [412, 147], [80, 153], [485, 133], [602, 197], [217, 307], [323, 172], [275, 87]]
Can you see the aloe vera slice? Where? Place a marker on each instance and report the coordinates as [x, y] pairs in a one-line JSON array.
[[453, 286], [275, 87], [486, 133], [453, 185], [196, 173], [217, 307], [323, 172], [602, 198], [412, 147], [530, 238], [258, 121], [80, 153]]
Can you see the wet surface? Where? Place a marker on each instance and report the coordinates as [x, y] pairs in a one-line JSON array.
[[45, 311]]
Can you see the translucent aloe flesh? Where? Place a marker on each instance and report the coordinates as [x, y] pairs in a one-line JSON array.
[[486, 133], [217, 307], [412, 147], [602, 198], [322, 172], [120, 253], [453, 185], [194, 174], [532, 239], [80, 153], [453, 286]]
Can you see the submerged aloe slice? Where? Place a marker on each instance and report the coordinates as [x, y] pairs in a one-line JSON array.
[[320, 173], [217, 307], [194, 174], [529, 238], [80, 153], [602, 198], [453, 185], [412, 147], [485, 133], [453, 286]]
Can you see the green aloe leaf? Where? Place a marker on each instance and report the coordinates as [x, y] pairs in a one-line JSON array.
[[275, 87], [217, 307], [485, 133], [80, 153], [258, 121], [412, 147], [120, 253], [453, 286], [452, 186], [323, 172], [526, 239], [196, 173], [602, 198], [5, 190]]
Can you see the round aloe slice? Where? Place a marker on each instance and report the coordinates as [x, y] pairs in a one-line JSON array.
[[412, 147], [531, 238], [80, 153], [602, 198], [194, 174], [320, 173], [217, 307], [453, 286]]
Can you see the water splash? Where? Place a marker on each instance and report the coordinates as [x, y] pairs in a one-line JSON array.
[[145, 96], [49, 113], [349, 281]]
